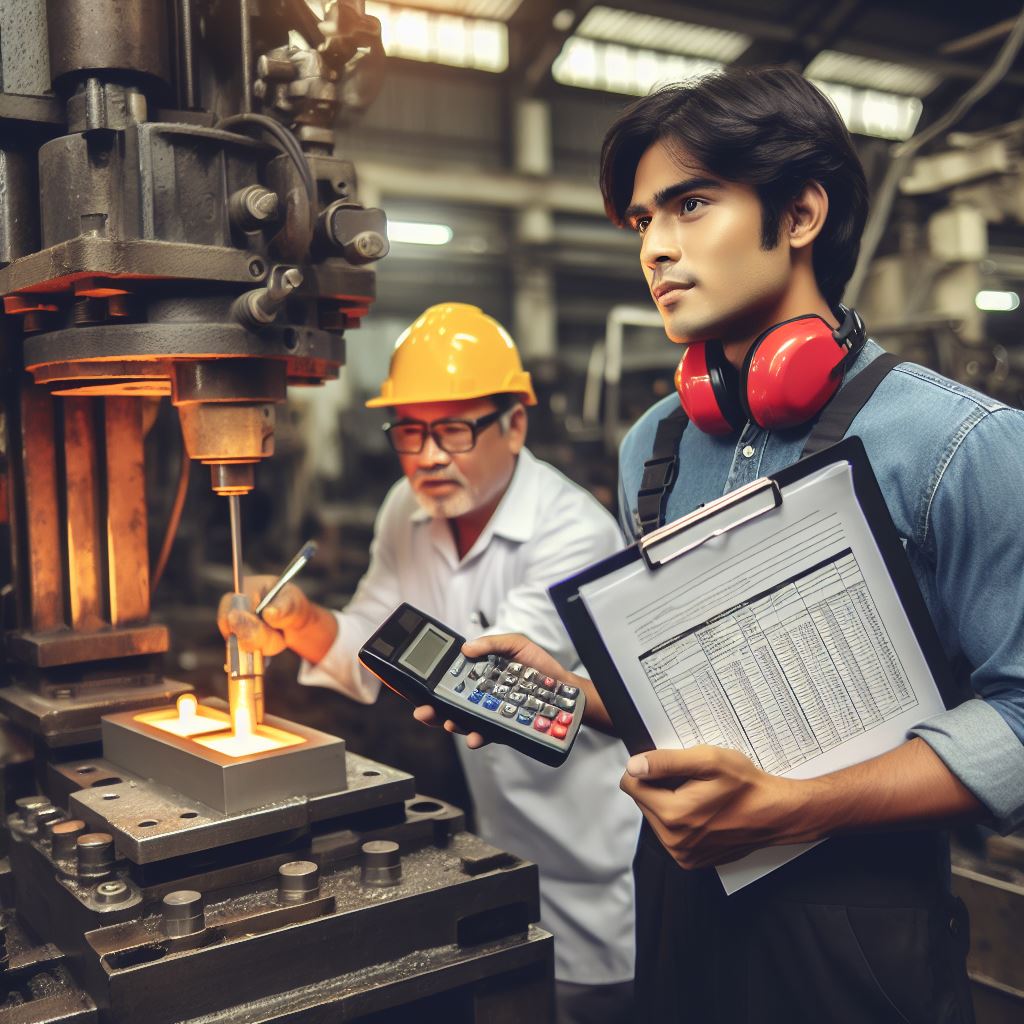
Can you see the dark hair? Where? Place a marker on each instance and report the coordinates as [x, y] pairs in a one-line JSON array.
[[769, 128]]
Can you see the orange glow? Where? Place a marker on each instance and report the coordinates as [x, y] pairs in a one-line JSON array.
[[211, 728], [264, 738]]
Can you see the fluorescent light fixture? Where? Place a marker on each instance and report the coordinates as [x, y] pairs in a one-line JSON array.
[[997, 302], [610, 67], [418, 233], [498, 10], [884, 115], [847, 69], [665, 34], [452, 39]]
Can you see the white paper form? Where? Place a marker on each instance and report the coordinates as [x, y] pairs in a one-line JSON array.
[[783, 638]]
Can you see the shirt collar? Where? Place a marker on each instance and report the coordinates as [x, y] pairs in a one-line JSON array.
[[515, 518]]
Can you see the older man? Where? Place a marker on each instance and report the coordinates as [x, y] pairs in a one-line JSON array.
[[473, 534]]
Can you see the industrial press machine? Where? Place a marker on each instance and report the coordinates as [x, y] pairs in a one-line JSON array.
[[175, 221]]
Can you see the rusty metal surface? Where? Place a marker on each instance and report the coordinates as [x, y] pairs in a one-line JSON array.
[[66, 721], [180, 340], [185, 826], [42, 515], [50, 650], [55, 269], [127, 541], [81, 484]]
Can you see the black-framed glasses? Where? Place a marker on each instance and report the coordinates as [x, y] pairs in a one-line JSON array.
[[453, 436]]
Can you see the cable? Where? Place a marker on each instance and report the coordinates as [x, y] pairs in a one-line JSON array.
[[288, 143], [902, 154], [173, 522]]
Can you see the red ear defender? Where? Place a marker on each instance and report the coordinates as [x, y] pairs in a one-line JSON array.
[[790, 373], [706, 383]]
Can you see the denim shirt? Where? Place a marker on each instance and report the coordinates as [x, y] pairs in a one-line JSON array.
[[950, 463]]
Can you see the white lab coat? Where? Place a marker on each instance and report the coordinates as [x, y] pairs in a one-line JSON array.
[[573, 821]]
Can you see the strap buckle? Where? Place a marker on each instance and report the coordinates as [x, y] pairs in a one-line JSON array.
[[659, 474]]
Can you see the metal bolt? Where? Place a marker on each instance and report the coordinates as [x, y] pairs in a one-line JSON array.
[[28, 804], [298, 881], [95, 854], [40, 817], [112, 892], [65, 837], [183, 913], [382, 863]]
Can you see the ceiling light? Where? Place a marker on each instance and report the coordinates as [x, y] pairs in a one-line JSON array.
[[418, 233], [883, 115], [499, 10], [665, 34], [845, 68], [997, 302], [417, 34], [591, 64]]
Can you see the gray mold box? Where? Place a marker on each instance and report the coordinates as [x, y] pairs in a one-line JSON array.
[[224, 783]]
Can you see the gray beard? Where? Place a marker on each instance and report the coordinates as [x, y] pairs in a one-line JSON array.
[[451, 507]]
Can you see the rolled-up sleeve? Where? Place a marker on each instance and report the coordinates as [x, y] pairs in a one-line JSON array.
[[375, 598], [973, 531]]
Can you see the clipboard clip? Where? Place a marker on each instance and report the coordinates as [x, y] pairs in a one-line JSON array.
[[710, 521]]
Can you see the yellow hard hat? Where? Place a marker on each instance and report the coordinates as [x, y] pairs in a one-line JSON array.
[[450, 353]]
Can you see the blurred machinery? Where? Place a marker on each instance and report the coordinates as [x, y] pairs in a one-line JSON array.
[[174, 221], [949, 293]]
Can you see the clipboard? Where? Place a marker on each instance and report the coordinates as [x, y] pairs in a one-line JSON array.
[[666, 551], [869, 592]]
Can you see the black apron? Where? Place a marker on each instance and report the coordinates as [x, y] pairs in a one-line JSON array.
[[860, 930]]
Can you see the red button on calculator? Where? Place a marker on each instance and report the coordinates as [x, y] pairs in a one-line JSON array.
[[541, 724], [558, 731], [564, 718]]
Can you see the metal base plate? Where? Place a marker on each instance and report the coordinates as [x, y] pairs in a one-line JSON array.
[[152, 823]]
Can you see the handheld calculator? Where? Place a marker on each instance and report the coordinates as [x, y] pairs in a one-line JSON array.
[[421, 659]]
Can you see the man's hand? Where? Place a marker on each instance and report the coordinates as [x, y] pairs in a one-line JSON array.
[[709, 805], [428, 716], [290, 620], [516, 647]]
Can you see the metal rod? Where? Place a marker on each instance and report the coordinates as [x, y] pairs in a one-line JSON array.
[[236, 541], [293, 568], [245, 38], [187, 52]]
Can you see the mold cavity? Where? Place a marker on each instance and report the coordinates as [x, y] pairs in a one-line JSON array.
[[148, 823], [110, 780], [370, 774], [189, 814], [110, 796], [86, 769]]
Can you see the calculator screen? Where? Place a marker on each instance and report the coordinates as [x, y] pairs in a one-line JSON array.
[[426, 651]]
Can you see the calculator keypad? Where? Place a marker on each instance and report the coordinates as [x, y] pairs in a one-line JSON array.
[[521, 697]]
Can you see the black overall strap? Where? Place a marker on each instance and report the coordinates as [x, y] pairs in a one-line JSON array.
[[660, 472], [837, 416]]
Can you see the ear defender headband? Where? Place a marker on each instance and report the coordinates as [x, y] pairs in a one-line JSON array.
[[789, 375]]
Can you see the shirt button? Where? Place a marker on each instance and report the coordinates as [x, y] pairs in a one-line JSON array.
[[748, 451]]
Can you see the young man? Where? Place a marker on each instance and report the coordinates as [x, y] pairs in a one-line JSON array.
[[473, 534], [749, 201]]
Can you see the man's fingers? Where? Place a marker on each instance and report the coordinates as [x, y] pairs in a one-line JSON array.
[[254, 634], [428, 716], [507, 644], [703, 762], [425, 714]]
